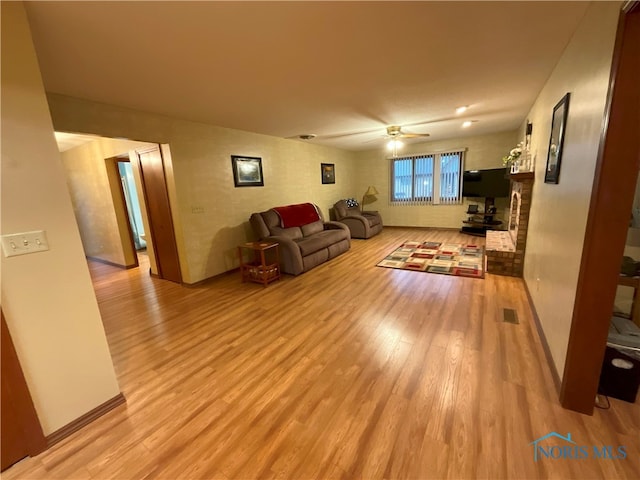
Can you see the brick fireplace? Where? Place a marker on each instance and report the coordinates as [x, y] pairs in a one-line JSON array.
[[505, 249]]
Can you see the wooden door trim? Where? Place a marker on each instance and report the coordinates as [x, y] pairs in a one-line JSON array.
[[112, 163], [611, 201], [169, 216], [34, 436]]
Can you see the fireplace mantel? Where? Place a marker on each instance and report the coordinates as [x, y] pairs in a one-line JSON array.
[[505, 250]]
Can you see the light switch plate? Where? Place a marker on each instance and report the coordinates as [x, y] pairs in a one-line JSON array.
[[14, 244]]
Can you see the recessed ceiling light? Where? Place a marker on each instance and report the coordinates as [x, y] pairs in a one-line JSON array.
[[307, 136], [462, 109], [466, 124]]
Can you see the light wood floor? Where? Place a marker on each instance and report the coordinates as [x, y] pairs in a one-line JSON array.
[[347, 371]]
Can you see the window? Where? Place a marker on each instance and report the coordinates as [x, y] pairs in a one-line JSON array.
[[427, 179]]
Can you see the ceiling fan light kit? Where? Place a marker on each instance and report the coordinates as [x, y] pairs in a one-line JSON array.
[[394, 145]]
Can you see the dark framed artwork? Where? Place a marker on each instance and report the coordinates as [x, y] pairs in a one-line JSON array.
[[556, 141], [247, 171], [328, 171]]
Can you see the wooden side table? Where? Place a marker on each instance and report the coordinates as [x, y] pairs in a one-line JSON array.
[[263, 264]]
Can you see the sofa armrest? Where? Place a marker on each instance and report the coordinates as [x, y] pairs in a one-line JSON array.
[[335, 226], [354, 217], [374, 214], [358, 226], [290, 256]]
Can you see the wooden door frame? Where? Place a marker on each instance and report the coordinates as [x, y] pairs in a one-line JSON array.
[[152, 235], [12, 374], [612, 196], [121, 204]]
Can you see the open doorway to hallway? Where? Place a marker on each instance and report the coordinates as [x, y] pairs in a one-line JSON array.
[[119, 194]]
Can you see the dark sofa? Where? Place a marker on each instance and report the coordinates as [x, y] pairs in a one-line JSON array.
[[305, 246]]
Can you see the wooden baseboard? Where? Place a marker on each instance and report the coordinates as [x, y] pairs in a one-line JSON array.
[[210, 279], [543, 340], [84, 420], [113, 264], [451, 229]]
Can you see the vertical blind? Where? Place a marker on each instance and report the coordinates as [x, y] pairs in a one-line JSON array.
[[426, 179]]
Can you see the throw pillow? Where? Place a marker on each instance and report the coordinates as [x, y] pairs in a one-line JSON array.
[[351, 202]]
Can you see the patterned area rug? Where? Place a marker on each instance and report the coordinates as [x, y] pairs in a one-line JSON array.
[[436, 257]]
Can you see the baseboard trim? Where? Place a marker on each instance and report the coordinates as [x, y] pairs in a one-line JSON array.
[[423, 228], [543, 340], [113, 264], [84, 420], [202, 282]]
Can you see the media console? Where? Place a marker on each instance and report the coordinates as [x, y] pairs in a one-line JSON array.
[[479, 222]]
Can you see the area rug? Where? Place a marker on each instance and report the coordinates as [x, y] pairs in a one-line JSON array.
[[436, 257]]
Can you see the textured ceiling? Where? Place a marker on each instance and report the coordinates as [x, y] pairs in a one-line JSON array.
[[340, 70]]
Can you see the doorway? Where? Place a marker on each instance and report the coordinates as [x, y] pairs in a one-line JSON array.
[[132, 204], [608, 221], [120, 197]]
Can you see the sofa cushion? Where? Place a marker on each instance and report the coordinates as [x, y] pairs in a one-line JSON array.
[[297, 215], [309, 245], [272, 220], [340, 209], [312, 228], [294, 233]]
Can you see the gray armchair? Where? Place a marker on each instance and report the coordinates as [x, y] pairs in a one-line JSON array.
[[361, 224]]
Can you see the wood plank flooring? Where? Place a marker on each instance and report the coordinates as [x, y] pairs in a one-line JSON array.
[[347, 371]]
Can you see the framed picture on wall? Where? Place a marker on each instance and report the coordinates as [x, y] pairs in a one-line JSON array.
[[247, 171], [328, 171], [556, 141]]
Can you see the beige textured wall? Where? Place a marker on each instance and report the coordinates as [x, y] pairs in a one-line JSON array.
[[86, 171], [484, 151], [212, 214], [559, 212], [47, 297]]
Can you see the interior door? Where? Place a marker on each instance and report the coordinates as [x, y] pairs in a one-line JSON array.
[[21, 434], [159, 212]]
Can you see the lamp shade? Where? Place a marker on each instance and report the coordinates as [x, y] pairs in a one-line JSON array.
[[371, 191]]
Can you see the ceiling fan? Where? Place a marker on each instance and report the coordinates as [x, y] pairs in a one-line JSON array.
[[395, 132]]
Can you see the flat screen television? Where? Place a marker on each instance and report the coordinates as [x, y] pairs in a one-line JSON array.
[[493, 183]]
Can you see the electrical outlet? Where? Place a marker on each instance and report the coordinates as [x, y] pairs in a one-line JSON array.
[[197, 209], [15, 244]]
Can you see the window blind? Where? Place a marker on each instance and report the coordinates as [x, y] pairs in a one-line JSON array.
[[426, 179]]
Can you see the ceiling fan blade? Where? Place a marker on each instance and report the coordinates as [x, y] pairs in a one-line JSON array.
[[334, 136], [414, 135]]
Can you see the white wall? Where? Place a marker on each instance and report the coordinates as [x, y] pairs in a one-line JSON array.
[[559, 212], [212, 215], [47, 297], [373, 167]]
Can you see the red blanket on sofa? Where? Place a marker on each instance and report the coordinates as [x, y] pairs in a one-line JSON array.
[[297, 215]]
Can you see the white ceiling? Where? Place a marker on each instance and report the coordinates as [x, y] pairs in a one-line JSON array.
[[291, 68]]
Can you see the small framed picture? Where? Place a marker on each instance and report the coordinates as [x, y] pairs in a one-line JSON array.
[[328, 171], [247, 171], [558, 126]]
